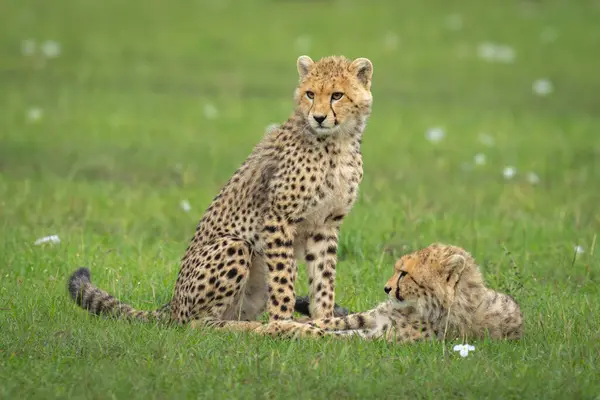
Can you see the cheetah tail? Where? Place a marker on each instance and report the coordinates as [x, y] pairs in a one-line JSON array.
[[99, 302], [302, 307]]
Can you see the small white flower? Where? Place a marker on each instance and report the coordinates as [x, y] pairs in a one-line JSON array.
[[578, 249], [486, 139], [454, 22], [391, 41], [210, 111], [479, 159], [493, 52], [51, 48], [464, 349], [54, 239], [542, 87], [185, 205], [28, 47], [533, 178], [34, 114], [509, 172], [270, 128], [487, 51], [303, 43], [435, 135]]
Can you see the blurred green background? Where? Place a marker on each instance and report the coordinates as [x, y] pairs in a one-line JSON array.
[[484, 134]]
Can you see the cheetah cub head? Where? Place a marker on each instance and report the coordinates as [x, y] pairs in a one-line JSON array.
[[334, 94], [433, 278]]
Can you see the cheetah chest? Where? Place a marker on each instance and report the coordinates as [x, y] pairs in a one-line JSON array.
[[336, 194]]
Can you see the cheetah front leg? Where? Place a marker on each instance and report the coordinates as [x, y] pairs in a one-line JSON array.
[[321, 259], [278, 237], [290, 330], [359, 321]]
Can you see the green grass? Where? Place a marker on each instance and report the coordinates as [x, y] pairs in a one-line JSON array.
[[123, 139]]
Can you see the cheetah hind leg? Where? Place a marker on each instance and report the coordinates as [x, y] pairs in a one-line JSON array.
[[213, 285]]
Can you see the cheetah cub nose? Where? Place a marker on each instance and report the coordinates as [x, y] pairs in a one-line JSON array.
[[319, 118], [387, 289]]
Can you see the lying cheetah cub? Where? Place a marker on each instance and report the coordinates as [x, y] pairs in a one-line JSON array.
[[287, 200], [434, 292]]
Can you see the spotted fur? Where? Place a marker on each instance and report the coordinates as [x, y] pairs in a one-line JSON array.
[[434, 293], [286, 201]]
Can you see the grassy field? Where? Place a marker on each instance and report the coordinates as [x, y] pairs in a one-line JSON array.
[[147, 104]]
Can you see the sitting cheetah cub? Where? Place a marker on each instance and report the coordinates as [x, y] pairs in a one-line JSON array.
[[435, 292], [287, 200]]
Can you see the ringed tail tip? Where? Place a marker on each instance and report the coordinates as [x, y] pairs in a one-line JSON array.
[[76, 281]]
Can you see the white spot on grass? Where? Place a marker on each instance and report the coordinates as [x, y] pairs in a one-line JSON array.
[[50, 49], [479, 159], [34, 114], [303, 43], [391, 41], [486, 51], [464, 349], [210, 111], [578, 250], [435, 135], [53, 239], [487, 139], [28, 47], [509, 172], [533, 178], [454, 22], [494, 52], [542, 87], [185, 205]]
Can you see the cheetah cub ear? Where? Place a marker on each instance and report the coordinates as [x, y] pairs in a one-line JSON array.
[[362, 68], [453, 267], [304, 65]]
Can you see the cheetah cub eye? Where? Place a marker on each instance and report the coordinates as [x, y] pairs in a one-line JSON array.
[[337, 95], [310, 95]]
